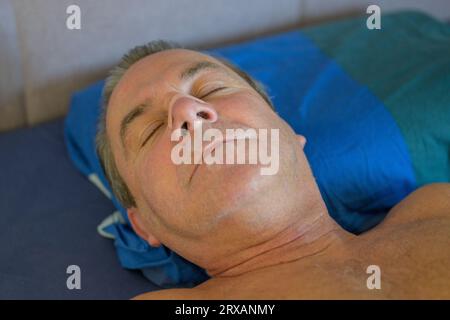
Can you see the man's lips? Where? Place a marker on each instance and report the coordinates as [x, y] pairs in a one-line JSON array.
[[210, 148], [213, 145], [207, 151]]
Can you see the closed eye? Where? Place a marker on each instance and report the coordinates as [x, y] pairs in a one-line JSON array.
[[152, 132], [211, 92]]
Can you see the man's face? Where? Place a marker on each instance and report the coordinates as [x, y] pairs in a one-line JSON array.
[[182, 203]]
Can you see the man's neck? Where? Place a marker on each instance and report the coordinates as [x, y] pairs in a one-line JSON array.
[[302, 240]]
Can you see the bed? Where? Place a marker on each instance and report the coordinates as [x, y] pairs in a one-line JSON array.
[[51, 224]]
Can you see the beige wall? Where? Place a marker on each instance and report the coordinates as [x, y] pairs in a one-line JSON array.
[[12, 109], [42, 62]]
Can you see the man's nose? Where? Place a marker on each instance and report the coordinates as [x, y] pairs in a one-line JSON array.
[[186, 110]]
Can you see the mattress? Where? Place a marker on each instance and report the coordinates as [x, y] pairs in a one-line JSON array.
[[49, 214]]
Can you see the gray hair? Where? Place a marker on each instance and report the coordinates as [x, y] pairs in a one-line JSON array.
[[104, 151]]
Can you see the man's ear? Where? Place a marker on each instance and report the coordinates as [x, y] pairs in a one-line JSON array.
[[138, 225], [302, 140]]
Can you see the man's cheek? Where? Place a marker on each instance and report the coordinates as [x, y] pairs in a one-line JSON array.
[[244, 107], [150, 171], [156, 176], [155, 159]]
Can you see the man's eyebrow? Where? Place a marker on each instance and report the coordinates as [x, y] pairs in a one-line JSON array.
[[187, 74], [130, 117], [198, 67]]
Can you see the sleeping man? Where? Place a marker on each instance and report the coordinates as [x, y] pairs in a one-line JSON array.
[[259, 236]]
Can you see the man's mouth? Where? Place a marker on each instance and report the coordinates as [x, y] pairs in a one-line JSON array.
[[208, 155], [208, 150]]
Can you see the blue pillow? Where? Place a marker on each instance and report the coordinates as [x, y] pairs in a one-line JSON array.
[[355, 148]]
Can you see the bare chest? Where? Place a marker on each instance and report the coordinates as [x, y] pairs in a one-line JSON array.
[[380, 265]]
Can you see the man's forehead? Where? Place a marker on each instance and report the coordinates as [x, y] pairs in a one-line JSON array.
[[162, 65], [156, 66]]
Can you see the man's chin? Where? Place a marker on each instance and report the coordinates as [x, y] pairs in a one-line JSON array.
[[227, 173], [233, 183]]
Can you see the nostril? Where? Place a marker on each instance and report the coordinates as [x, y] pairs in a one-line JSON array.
[[184, 126], [203, 114]]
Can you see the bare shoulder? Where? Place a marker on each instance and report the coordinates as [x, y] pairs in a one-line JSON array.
[[412, 244], [429, 201]]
